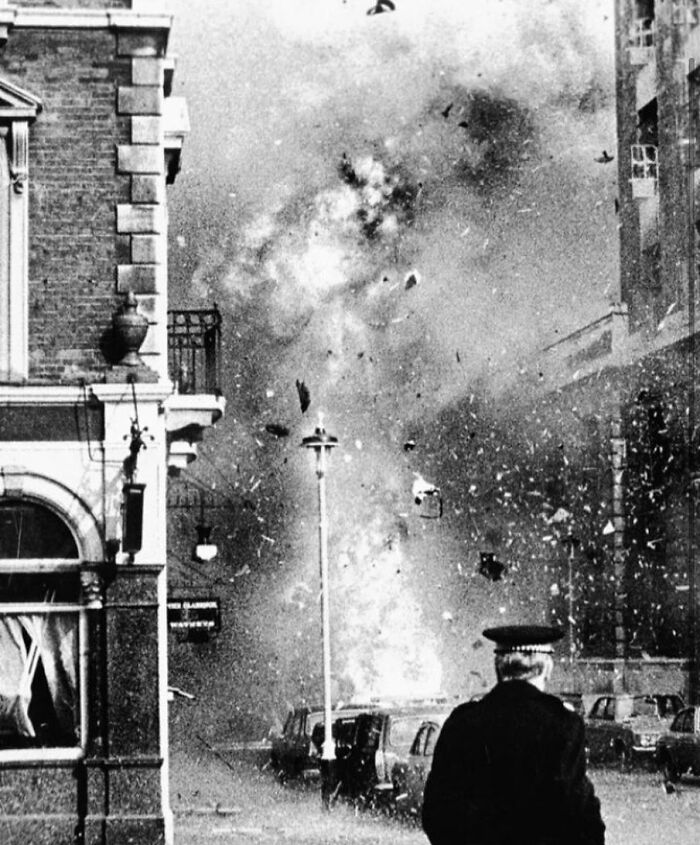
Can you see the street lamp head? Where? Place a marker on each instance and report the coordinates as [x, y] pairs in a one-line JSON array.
[[204, 550], [320, 439]]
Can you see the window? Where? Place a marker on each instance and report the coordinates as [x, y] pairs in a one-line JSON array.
[[17, 110], [42, 635], [431, 739], [685, 12]]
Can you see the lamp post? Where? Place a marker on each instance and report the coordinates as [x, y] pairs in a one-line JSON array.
[[322, 443]]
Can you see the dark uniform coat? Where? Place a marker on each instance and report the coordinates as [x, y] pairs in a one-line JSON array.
[[510, 770]]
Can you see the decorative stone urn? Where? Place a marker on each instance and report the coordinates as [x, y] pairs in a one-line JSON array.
[[130, 328]]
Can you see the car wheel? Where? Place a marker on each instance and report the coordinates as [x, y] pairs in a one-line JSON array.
[[669, 771]]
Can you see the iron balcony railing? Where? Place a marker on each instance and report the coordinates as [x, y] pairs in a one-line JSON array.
[[194, 350]]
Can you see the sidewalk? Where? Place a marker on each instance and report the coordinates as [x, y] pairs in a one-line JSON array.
[[228, 799]]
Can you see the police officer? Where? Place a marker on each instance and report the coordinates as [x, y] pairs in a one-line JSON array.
[[510, 769]]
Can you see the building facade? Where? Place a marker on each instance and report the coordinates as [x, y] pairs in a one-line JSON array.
[[103, 393], [624, 387]]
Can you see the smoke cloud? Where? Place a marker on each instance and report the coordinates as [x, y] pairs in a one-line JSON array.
[[397, 210]]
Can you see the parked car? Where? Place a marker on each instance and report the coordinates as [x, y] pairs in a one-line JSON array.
[[296, 752], [409, 777], [624, 728], [383, 740], [678, 748]]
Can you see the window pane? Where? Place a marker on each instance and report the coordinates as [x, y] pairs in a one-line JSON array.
[[39, 705], [28, 530], [60, 587]]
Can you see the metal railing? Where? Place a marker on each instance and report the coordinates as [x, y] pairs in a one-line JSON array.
[[194, 350]]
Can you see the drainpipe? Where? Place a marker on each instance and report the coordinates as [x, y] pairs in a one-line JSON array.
[[618, 460]]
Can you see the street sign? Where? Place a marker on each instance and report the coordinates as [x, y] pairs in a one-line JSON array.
[[201, 615]]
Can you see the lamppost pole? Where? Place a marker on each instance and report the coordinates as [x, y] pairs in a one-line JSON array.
[[322, 443]]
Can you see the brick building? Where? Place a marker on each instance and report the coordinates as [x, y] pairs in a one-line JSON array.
[[585, 479], [623, 388], [103, 392]]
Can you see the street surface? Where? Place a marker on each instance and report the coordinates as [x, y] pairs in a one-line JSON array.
[[228, 800]]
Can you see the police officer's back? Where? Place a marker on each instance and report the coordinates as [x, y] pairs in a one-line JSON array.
[[510, 769]]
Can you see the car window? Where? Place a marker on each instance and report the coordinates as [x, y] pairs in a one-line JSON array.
[[288, 723], [610, 710], [297, 725], [625, 707], [402, 730], [431, 739], [598, 709], [668, 705], [644, 706], [419, 742], [687, 721]]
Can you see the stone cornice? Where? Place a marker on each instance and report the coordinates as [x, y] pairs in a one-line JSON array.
[[83, 18], [27, 394]]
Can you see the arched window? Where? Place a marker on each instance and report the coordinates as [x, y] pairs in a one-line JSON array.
[[42, 626]]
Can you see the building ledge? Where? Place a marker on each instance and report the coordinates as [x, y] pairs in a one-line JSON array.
[[184, 411], [186, 417], [83, 18], [607, 343], [599, 344], [181, 453]]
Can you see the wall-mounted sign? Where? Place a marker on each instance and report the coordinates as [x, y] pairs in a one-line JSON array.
[[201, 615]]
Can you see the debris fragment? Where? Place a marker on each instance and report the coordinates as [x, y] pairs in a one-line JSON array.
[[490, 567], [411, 280], [425, 492], [277, 430], [381, 6], [304, 396]]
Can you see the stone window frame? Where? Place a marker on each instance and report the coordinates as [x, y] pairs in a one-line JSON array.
[[18, 109]]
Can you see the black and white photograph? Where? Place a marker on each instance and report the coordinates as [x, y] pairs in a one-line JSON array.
[[349, 438]]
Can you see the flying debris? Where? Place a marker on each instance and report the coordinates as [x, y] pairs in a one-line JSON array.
[[446, 111], [277, 430], [411, 280], [304, 396], [428, 496], [463, 124], [604, 158], [381, 6], [490, 567]]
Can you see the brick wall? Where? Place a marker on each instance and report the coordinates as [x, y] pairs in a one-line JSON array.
[[77, 184], [73, 190]]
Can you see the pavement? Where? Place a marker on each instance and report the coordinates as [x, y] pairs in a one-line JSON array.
[[228, 795]]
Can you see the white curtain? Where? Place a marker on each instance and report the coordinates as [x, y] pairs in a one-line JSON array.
[[53, 638]]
